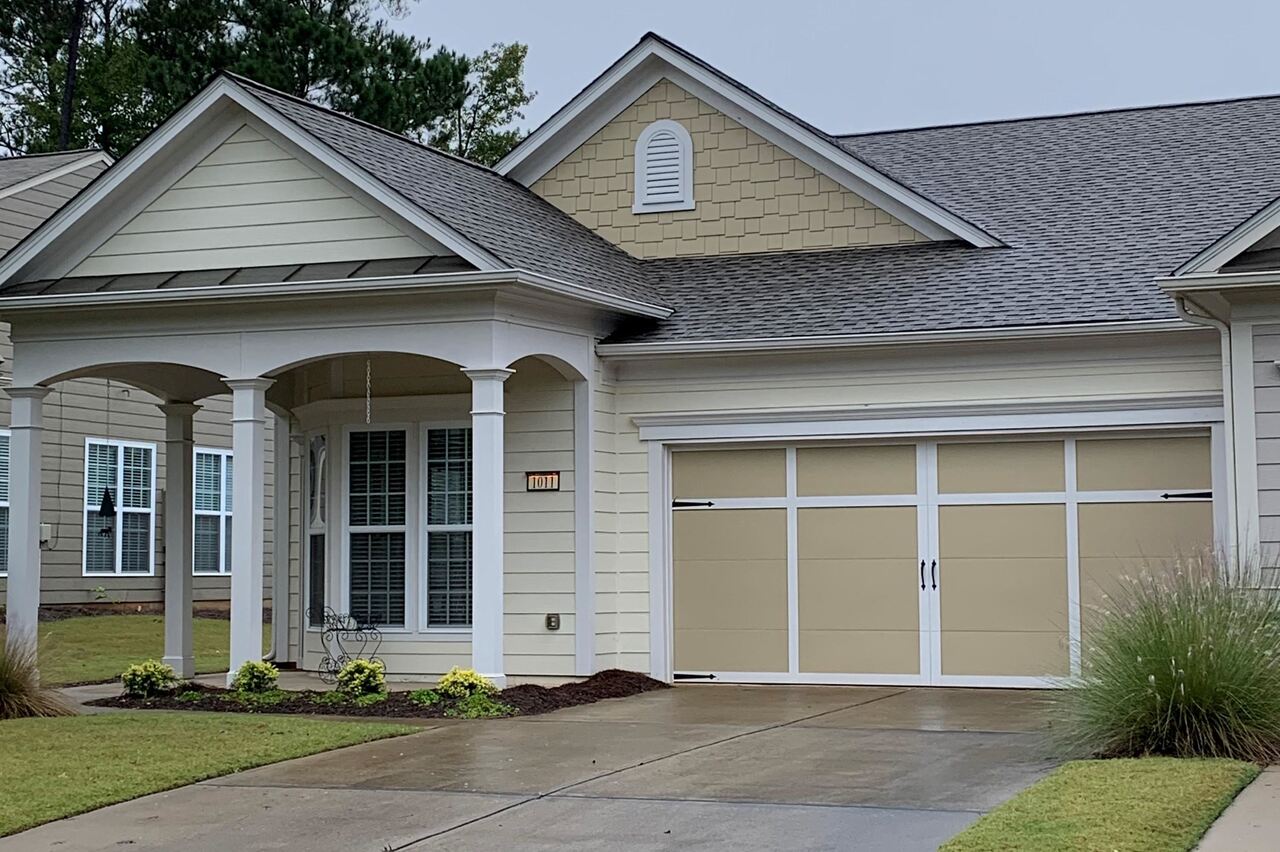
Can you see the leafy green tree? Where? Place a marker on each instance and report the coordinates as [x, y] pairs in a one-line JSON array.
[[478, 123]]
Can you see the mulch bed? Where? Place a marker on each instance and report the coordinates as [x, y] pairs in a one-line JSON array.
[[527, 699]]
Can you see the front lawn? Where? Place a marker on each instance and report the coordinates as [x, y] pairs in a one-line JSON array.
[[99, 647], [1154, 804], [55, 768]]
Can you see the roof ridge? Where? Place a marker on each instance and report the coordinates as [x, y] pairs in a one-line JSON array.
[[1055, 116], [52, 154], [254, 84]]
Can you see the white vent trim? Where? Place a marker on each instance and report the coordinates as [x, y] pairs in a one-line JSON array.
[[664, 168]]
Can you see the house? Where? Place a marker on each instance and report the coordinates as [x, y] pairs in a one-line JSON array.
[[685, 385], [88, 420]]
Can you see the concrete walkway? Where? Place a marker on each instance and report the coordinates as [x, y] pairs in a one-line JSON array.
[[696, 767], [1250, 823]]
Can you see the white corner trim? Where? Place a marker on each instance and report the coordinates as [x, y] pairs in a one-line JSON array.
[[224, 90], [843, 341], [76, 165], [682, 199], [651, 60], [1233, 243]]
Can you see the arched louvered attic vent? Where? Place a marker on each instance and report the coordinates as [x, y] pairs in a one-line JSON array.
[[664, 168]]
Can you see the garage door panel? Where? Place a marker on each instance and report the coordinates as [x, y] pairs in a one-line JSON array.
[[864, 532], [1003, 531], [1003, 594], [729, 473], [726, 594], [741, 650], [991, 653], [1001, 467], [727, 534], [1140, 464], [851, 594], [860, 651], [855, 471]]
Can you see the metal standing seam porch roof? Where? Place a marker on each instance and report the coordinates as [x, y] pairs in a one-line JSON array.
[[1091, 207]]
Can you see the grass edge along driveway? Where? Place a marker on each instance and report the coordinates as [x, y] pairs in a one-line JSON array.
[[1152, 804], [56, 768]]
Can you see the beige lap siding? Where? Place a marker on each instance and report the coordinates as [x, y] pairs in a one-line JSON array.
[[1266, 377], [1126, 368], [76, 410], [749, 195]]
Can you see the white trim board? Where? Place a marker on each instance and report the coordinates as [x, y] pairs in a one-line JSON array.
[[89, 158], [651, 60]]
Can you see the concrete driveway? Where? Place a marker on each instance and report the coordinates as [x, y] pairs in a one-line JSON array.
[[695, 767]]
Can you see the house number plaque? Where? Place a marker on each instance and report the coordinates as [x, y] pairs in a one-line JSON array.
[[542, 480]]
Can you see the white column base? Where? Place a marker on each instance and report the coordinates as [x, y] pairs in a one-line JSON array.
[[184, 666]]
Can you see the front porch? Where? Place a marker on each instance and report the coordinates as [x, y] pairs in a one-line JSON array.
[[404, 443]]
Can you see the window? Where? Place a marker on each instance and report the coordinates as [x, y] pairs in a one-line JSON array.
[[123, 540], [212, 527], [664, 168], [4, 503], [317, 517], [448, 527], [376, 527]]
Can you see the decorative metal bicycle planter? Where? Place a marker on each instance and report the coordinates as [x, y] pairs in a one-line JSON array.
[[345, 638]]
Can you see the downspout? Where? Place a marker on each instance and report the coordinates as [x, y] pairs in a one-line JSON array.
[[1184, 304]]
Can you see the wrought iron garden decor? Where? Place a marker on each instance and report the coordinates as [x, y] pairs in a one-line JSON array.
[[345, 638]]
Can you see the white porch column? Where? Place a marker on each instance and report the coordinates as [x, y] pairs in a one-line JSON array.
[[248, 488], [179, 462], [487, 466], [584, 598], [22, 604]]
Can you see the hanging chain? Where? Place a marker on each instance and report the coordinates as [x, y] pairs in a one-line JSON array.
[[368, 391]]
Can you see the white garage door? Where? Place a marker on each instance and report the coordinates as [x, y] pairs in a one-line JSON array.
[[975, 562]]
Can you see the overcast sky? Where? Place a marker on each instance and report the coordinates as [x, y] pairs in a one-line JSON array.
[[876, 64]]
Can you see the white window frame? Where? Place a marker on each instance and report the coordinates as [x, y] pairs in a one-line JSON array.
[[442, 632], [410, 528], [4, 495], [684, 200], [89, 508], [223, 513]]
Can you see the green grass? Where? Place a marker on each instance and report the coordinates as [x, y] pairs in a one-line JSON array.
[[1154, 804], [100, 647], [55, 768]]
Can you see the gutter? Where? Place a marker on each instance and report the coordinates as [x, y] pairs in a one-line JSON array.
[[1184, 304], [844, 341]]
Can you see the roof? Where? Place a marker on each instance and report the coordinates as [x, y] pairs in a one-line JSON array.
[[1092, 207], [290, 274], [16, 170], [491, 210]]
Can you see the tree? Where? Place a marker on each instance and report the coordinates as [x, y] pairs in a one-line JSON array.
[[478, 124]]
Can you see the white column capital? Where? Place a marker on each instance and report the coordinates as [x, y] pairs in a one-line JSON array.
[[260, 383], [37, 392], [178, 409], [479, 374], [486, 389]]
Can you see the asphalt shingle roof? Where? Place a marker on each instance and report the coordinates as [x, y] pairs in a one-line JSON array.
[[15, 170], [493, 211], [1092, 208]]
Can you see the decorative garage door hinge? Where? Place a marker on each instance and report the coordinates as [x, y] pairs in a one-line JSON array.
[[691, 504], [1188, 495], [692, 676]]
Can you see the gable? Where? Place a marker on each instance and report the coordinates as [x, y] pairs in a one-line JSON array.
[[22, 211], [249, 203], [749, 194]]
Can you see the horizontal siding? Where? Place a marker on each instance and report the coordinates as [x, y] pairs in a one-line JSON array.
[[1266, 382], [249, 203]]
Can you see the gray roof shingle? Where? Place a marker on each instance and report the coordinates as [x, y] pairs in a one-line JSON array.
[[1092, 208], [15, 170]]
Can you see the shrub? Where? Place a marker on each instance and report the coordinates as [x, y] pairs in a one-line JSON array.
[[369, 699], [424, 697], [479, 705], [1183, 663], [362, 677], [462, 683], [21, 695], [256, 677], [149, 679]]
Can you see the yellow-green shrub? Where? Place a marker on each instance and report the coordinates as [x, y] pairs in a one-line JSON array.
[[461, 683]]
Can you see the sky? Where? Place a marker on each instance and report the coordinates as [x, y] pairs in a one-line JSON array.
[[880, 64]]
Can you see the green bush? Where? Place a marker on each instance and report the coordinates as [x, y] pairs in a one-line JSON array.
[[424, 697], [463, 683], [149, 679], [21, 695], [479, 705], [255, 677], [1183, 663], [270, 698], [362, 677]]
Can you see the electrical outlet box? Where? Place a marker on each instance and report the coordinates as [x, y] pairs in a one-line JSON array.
[[46, 533], [553, 621]]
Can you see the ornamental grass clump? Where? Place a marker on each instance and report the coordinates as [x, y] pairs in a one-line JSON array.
[[1183, 662], [21, 695]]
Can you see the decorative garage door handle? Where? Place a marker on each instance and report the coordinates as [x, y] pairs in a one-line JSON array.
[[922, 574], [933, 573]]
